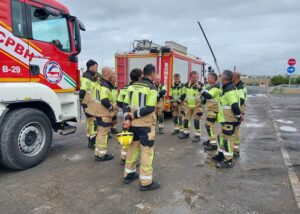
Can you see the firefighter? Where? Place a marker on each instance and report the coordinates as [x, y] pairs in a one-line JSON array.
[[104, 112], [211, 95], [140, 119], [242, 92], [175, 94], [161, 92], [85, 96], [113, 129], [135, 76], [192, 106], [229, 116]]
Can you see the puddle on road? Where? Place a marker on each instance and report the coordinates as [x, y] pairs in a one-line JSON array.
[[191, 197], [293, 109], [174, 210], [285, 121], [261, 95], [182, 202], [178, 196], [203, 157], [253, 125], [171, 149], [288, 128], [253, 120], [76, 157], [140, 206]]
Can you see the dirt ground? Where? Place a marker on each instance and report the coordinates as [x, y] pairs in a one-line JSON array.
[[261, 181]]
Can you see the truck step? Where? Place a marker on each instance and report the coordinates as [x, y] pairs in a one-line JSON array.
[[68, 130]]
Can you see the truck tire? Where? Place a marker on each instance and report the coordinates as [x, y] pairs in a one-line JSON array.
[[25, 138]]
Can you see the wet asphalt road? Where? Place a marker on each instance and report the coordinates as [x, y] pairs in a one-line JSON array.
[[70, 181]]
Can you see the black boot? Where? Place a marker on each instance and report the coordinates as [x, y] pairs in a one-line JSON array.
[[91, 144], [211, 147], [236, 154], [153, 186], [131, 177], [225, 164], [106, 157], [182, 135], [219, 157], [206, 143], [122, 162], [196, 139], [175, 132], [109, 135]]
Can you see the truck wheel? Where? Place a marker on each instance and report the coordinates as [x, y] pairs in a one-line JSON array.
[[25, 138]]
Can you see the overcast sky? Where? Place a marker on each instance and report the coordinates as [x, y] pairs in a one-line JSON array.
[[258, 36]]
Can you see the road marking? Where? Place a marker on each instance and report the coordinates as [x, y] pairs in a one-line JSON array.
[[288, 128], [254, 125], [294, 180], [261, 95], [253, 120], [285, 121]]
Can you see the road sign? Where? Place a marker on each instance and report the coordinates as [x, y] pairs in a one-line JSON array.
[[292, 62], [291, 69]]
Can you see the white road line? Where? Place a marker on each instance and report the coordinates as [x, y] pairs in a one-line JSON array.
[[287, 161]]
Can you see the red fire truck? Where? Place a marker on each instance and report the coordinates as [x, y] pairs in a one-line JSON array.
[[39, 77], [168, 60]]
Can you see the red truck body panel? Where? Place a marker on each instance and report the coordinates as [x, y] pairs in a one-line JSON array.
[[166, 66]]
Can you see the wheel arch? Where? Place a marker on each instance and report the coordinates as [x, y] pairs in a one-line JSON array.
[[36, 104]]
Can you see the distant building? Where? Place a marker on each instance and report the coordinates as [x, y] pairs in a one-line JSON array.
[[256, 80]]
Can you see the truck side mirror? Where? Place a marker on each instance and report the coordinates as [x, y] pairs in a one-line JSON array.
[[78, 25], [77, 38], [81, 25], [51, 11]]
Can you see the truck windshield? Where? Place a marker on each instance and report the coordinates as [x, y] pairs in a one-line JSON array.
[[48, 28]]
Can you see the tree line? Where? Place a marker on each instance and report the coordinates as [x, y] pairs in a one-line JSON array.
[[280, 79]]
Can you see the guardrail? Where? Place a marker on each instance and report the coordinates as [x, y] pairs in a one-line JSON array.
[[285, 89]]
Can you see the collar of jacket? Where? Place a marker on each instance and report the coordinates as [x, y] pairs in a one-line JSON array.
[[216, 85], [107, 84], [240, 84], [227, 87], [129, 84], [147, 80], [198, 82], [91, 73], [176, 85]]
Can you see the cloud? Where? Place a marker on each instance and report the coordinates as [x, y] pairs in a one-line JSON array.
[[257, 36]]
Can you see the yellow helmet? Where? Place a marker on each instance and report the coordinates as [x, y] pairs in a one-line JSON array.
[[125, 138]]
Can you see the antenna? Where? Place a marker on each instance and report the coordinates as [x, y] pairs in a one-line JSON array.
[[215, 60], [102, 56]]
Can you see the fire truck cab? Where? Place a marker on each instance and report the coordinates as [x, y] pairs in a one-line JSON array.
[[39, 78]]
